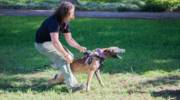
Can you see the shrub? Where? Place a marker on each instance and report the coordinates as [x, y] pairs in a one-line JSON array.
[[161, 5]]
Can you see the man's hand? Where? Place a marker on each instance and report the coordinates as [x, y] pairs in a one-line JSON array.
[[82, 49], [69, 58], [73, 43], [57, 44]]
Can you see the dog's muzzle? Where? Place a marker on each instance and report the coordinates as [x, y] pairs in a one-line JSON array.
[[119, 53]]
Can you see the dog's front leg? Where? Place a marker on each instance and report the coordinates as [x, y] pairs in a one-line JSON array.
[[90, 76], [94, 65], [98, 76]]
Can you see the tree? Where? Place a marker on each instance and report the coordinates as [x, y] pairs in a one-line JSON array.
[[76, 2]]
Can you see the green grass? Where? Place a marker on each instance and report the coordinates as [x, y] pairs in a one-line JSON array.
[[150, 66]]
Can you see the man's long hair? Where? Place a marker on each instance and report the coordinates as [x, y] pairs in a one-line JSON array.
[[63, 10]]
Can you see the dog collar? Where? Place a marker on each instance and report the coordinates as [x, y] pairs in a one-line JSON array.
[[100, 53]]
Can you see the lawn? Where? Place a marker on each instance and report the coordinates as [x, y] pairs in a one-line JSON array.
[[149, 70]]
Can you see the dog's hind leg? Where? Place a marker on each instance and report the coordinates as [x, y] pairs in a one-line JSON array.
[[58, 79], [98, 76]]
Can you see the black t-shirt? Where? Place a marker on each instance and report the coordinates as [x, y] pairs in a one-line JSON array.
[[49, 25]]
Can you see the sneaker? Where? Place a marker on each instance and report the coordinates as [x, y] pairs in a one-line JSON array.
[[79, 87]]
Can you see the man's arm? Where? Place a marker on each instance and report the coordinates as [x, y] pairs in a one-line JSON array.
[[56, 43], [73, 43]]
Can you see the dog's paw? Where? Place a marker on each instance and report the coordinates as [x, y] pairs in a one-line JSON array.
[[87, 89], [102, 84]]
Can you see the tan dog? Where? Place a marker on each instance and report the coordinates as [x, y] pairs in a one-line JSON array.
[[90, 64]]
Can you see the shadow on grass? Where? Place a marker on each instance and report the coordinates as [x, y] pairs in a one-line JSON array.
[[25, 70], [166, 93], [170, 80], [165, 87], [39, 85], [173, 94]]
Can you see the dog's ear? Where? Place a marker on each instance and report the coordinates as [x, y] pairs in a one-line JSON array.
[[105, 50]]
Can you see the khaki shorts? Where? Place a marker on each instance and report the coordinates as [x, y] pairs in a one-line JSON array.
[[58, 61], [56, 57]]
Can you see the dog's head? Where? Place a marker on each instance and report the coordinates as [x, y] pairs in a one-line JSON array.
[[114, 52]]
